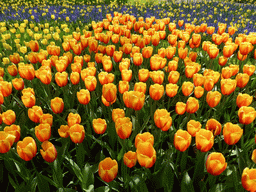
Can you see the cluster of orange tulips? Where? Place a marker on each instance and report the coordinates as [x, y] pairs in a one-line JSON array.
[[144, 65]]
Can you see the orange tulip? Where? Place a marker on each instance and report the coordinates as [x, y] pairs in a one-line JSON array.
[[222, 60], [162, 119], [18, 83], [83, 96], [243, 100], [109, 92], [193, 127], [6, 141], [248, 179], [172, 65], [156, 91], [144, 137], [172, 39], [146, 154], [157, 76], [198, 92], [192, 105], [187, 88], [242, 79], [134, 99], [63, 131], [182, 53], [105, 78], [108, 169], [90, 83], [28, 99], [246, 115], [74, 78], [117, 56], [180, 23], [210, 30], [143, 75], [123, 86], [13, 130], [35, 113], [245, 48], [15, 58], [170, 52], [253, 158], [137, 59], [147, 52], [173, 77], [12, 70], [27, 149], [213, 52], [249, 69], [77, 133], [61, 78], [123, 127], [180, 108], [117, 113], [215, 163], [34, 46], [130, 159], [213, 98], [73, 118], [141, 87], [126, 75], [182, 140], [99, 125], [46, 118], [204, 140], [48, 151], [232, 133], [5, 88], [228, 50], [43, 132], [171, 89], [214, 126], [57, 105], [228, 86]]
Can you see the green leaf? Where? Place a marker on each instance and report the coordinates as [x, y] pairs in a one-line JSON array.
[[88, 178], [80, 154], [75, 168], [43, 184], [186, 183], [66, 190], [14, 185], [102, 189], [218, 188]]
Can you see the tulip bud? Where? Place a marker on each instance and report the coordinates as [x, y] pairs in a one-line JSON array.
[[57, 105], [232, 133], [204, 140], [27, 149]]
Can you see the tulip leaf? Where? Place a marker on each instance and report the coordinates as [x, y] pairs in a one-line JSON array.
[[88, 178], [80, 154], [75, 168], [102, 189], [186, 183], [57, 173], [43, 185], [66, 190], [14, 185]]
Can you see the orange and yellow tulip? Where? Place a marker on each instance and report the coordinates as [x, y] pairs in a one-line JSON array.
[[130, 159], [242, 79], [215, 163], [193, 127], [134, 99], [213, 98], [246, 115], [204, 140], [243, 100], [182, 140], [77, 133], [248, 179], [13, 130], [108, 169], [146, 154], [232, 133], [109, 92], [187, 88], [156, 91], [180, 108], [162, 119], [192, 105], [6, 141], [99, 125], [123, 127], [27, 149], [18, 83], [214, 126], [57, 105], [43, 132], [35, 113], [48, 151]]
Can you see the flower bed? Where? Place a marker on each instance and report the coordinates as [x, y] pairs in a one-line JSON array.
[[128, 98]]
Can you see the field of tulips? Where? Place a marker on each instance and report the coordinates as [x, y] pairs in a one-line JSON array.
[[127, 97]]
